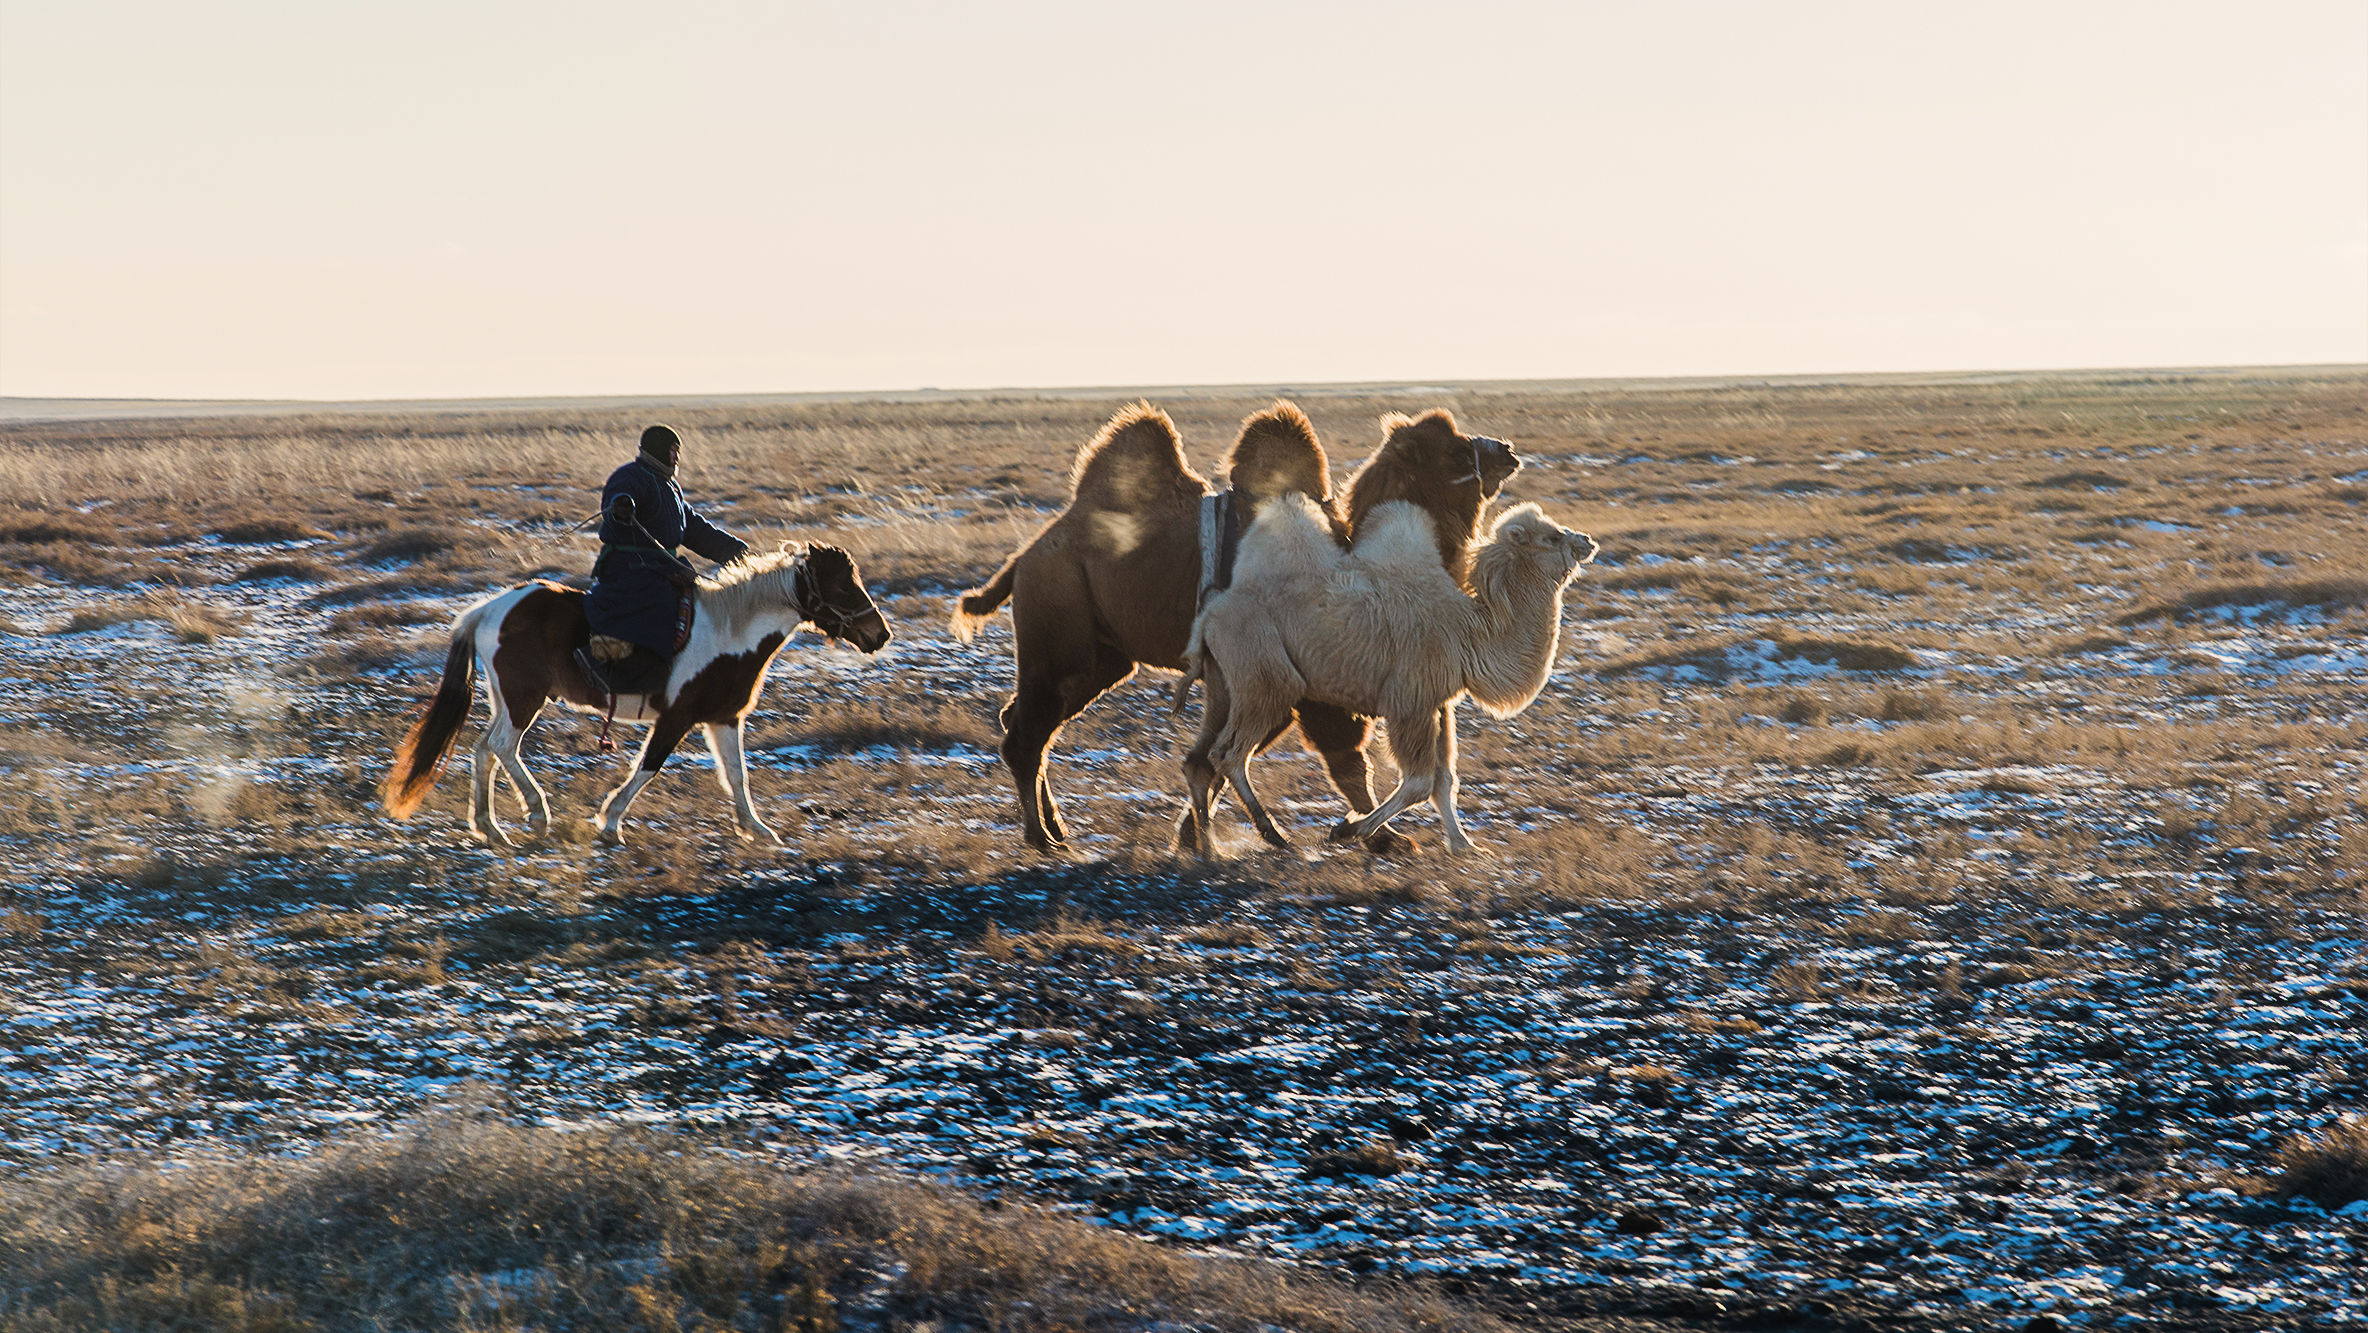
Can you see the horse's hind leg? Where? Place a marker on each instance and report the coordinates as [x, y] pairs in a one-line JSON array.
[[731, 769], [504, 737], [483, 758]]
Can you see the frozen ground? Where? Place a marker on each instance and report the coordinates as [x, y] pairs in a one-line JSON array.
[[2047, 1097]]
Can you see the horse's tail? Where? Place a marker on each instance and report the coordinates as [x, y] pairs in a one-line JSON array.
[[976, 607], [424, 748]]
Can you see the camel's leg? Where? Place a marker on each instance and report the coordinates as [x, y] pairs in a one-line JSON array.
[[1247, 719], [1110, 667], [1443, 783], [1339, 736], [530, 792], [1202, 782], [1255, 807], [731, 770], [1414, 747], [1062, 668], [665, 734]]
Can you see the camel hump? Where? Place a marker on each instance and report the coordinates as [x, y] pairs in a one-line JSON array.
[[1398, 532], [1135, 462], [1290, 537], [1278, 453]]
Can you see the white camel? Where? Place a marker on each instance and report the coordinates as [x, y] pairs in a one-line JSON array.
[[1381, 629]]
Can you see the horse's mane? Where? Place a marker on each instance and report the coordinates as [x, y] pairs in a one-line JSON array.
[[1136, 459], [1418, 458], [739, 588]]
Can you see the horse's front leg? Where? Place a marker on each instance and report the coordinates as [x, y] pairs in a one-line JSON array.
[[665, 733], [731, 769]]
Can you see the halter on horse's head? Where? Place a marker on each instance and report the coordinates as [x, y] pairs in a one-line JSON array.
[[818, 569]]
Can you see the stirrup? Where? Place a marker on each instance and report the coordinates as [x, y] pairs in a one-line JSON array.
[[593, 673]]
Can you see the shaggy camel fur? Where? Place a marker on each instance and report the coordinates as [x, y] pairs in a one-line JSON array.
[[1113, 580], [1380, 629]]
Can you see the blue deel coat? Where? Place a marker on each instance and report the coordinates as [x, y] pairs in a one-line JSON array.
[[631, 597]]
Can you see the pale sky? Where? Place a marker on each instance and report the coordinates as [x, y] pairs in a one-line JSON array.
[[332, 200]]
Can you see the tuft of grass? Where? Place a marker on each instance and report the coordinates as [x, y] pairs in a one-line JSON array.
[[2330, 1168], [2329, 595], [266, 531], [602, 1228], [414, 544], [295, 570], [42, 529], [1378, 1157]]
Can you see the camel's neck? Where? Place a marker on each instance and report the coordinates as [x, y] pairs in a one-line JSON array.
[[1520, 626]]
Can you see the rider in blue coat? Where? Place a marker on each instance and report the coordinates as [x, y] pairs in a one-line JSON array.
[[638, 581]]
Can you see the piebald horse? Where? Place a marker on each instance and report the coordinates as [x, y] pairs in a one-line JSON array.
[[524, 639]]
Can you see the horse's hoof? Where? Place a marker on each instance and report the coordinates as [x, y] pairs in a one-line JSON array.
[[613, 837], [1344, 831], [1389, 842]]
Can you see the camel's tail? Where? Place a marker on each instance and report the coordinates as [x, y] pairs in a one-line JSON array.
[[1196, 667], [977, 606], [422, 752]]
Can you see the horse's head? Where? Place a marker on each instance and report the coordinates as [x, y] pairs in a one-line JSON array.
[[831, 596]]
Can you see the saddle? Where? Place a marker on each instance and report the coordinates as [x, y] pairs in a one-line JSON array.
[[620, 666], [1220, 542]]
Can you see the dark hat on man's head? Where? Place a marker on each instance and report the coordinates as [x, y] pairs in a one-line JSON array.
[[661, 441]]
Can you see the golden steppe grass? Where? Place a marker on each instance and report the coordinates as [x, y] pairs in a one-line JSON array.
[[2004, 522]]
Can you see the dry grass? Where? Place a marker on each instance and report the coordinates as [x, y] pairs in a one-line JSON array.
[[2329, 1168], [1723, 798], [461, 1221]]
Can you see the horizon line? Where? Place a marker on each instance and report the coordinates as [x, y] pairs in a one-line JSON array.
[[34, 408]]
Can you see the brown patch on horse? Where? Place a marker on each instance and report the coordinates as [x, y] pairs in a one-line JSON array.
[[725, 689]]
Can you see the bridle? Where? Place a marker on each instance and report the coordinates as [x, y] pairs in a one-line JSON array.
[[1478, 442], [832, 620]]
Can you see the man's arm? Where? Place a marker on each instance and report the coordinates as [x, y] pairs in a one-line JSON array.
[[709, 540]]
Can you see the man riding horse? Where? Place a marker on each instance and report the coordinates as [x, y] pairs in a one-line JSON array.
[[640, 601]]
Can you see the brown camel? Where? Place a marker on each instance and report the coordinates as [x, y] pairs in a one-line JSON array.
[[1113, 581]]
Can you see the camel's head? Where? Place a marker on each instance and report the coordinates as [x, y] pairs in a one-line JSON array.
[[830, 593], [1446, 456], [1526, 532]]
